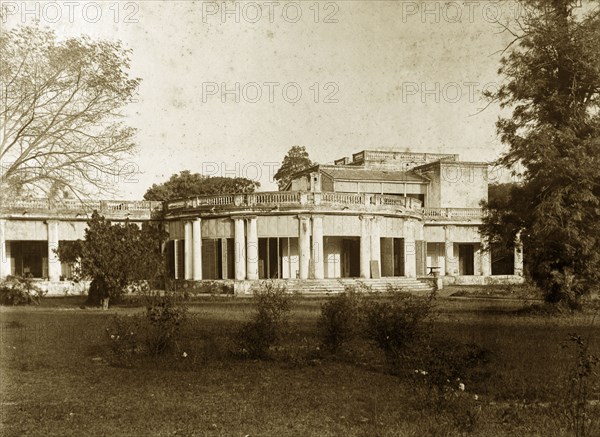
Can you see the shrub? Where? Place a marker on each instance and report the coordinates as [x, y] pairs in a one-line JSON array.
[[16, 290], [153, 332], [268, 323], [449, 363], [397, 322], [123, 336], [165, 317], [339, 321]]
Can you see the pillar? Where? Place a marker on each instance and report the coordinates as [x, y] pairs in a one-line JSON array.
[[365, 247], [187, 249], [518, 264], [317, 246], [54, 270], [251, 248], [486, 260], [176, 272], [4, 251], [410, 250], [239, 248], [451, 263], [304, 246], [376, 243], [196, 250]]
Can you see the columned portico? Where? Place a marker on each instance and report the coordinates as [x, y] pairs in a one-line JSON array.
[[54, 270], [365, 246], [304, 246], [239, 248], [197, 250], [251, 248], [410, 250], [187, 249], [317, 245]]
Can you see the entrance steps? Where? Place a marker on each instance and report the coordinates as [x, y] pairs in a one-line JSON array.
[[323, 286]]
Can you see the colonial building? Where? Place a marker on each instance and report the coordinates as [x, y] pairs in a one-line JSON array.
[[379, 214]]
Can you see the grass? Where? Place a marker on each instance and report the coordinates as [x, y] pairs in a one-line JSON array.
[[56, 379]]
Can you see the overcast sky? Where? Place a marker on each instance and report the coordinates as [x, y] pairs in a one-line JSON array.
[[221, 91]]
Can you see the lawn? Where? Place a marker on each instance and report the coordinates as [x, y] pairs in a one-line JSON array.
[[57, 377]]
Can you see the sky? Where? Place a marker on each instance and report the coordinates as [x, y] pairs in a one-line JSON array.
[[229, 87]]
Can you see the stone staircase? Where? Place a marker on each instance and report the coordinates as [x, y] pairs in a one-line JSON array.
[[325, 286]]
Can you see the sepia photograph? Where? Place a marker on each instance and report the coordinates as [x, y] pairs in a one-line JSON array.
[[248, 218]]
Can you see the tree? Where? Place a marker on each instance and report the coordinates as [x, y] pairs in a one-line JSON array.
[[116, 255], [296, 160], [553, 134], [187, 184], [60, 112]]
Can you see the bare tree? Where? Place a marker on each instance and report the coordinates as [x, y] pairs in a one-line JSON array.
[[60, 113]]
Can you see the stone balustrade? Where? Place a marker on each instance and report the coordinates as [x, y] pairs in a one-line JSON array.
[[68, 207], [274, 199], [295, 198]]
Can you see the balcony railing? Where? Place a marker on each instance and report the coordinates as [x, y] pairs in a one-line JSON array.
[[358, 201], [291, 198], [79, 205], [452, 213]]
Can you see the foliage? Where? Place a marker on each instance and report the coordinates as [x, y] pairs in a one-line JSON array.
[[152, 333], [580, 389], [296, 160], [187, 184], [266, 327], [165, 317], [397, 322], [123, 339], [448, 363], [340, 320], [61, 104], [116, 255], [15, 290], [553, 134]]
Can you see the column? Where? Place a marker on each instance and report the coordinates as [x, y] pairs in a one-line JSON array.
[[376, 243], [54, 270], [251, 248], [304, 246], [365, 247], [486, 260], [410, 250], [317, 246], [4, 251], [196, 250], [187, 249], [451, 266], [518, 264], [176, 273], [239, 249]]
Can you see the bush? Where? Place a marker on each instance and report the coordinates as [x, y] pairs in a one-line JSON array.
[[15, 290], [153, 332], [449, 363], [123, 336], [339, 321], [398, 322], [269, 322], [165, 317]]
